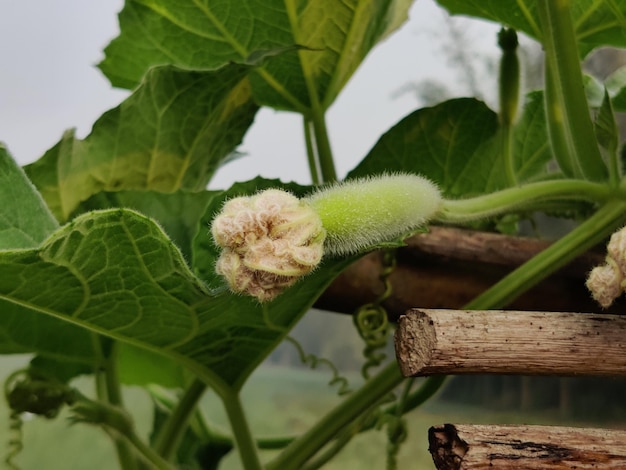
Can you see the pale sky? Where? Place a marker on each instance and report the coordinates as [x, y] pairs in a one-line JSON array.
[[49, 83]]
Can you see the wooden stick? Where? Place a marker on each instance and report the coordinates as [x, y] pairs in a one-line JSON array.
[[472, 447], [448, 267], [430, 341], [493, 248]]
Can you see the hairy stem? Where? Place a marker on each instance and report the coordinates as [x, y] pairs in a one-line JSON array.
[[109, 391]]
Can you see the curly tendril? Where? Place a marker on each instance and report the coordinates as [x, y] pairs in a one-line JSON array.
[[27, 392], [16, 440], [372, 322], [314, 362]]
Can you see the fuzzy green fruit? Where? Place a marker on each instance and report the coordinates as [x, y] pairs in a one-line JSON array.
[[361, 213]]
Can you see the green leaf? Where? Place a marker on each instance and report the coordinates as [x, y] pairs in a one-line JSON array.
[[446, 143], [608, 137], [597, 23], [120, 276], [616, 86], [178, 213], [606, 127], [62, 370], [137, 366], [457, 145], [335, 37], [531, 147], [25, 220], [172, 133], [23, 331]]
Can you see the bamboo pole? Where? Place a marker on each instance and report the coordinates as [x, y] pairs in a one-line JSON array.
[[476, 447], [431, 341]]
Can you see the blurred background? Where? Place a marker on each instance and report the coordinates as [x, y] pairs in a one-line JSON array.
[[49, 83]]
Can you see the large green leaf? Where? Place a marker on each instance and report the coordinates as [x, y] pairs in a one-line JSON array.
[[531, 145], [446, 143], [457, 145], [172, 133], [335, 37], [116, 273], [597, 23], [25, 220], [178, 213]]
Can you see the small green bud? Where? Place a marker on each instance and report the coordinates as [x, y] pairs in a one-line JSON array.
[[509, 75], [360, 213]]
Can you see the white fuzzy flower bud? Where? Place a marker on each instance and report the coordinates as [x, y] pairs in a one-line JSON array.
[[606, 282], [268, 242]]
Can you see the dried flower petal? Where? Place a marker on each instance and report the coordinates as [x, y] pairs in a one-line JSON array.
[[606, 282], [268, 242]]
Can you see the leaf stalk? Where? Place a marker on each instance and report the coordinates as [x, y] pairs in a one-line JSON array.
[[521, 198], [564, 79], [172, 432]]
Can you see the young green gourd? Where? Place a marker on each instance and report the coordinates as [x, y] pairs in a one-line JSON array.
[[272, 239]]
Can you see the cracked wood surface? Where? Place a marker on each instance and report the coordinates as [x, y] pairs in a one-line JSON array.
[[474, 447]]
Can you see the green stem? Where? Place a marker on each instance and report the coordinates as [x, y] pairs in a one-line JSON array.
[[207, 433], [509, 80], [305, 446], [172, 431], [109, 391], [506, 149], [324, 152], [243, 437], [563, 63], [322, 155], [425, 392], [147, 453], [311, 152], [556, 127], [520, 198], [591, 232]]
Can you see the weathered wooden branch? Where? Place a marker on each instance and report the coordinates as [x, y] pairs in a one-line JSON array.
[[473, 447], [432, 342], [447, 267]]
